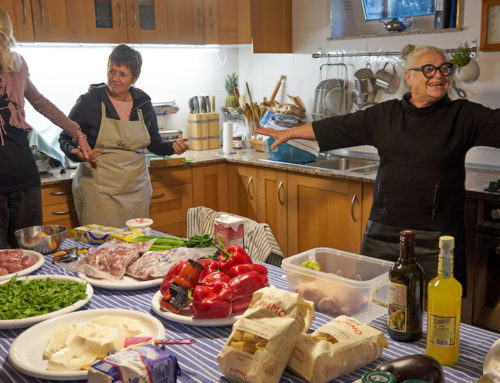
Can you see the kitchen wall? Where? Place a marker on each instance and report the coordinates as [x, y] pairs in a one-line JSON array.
[[63, 72]]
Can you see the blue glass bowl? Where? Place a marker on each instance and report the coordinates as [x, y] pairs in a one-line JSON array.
[[288, 153]]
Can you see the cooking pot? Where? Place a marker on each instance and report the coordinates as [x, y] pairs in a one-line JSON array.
[[387, 81]]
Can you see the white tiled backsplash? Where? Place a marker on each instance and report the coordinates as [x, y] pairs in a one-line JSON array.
[[63, 72]]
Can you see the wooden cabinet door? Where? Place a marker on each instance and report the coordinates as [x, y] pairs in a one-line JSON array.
[[243, 191], [100, 21], [58, 206], [323, 212], [228, 22], [21, 17], [185, 21], [210, 187], [272, 26], [147, 21], [172, 197], [272, 203], [52, 20]]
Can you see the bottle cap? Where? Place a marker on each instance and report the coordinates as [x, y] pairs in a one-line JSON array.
[[378, 377], [446, 242], [407, 236]]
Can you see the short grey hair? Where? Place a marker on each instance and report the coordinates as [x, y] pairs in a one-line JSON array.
[[412, 53]]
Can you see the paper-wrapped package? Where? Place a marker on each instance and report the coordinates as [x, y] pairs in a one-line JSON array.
[[336, 348], [263, 338]]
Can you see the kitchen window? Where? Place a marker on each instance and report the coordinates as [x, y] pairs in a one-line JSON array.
[[386, 9]]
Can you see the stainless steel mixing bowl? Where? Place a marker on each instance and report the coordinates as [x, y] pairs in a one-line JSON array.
[[27, 238]]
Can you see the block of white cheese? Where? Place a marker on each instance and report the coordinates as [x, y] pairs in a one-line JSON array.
[[72, 347]]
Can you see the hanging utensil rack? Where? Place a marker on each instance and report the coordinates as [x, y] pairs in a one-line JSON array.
[[320, 54]]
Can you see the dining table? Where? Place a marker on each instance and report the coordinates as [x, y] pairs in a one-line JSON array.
[[198, 361]]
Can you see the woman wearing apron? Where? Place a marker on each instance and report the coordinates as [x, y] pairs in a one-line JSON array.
[[120, 123]]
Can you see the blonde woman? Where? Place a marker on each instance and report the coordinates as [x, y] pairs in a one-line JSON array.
[[20, 193]]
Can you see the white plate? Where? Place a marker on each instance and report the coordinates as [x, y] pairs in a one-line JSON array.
[[26, 322], [39, 260], [187, 319], [124, 283], [26, 352]]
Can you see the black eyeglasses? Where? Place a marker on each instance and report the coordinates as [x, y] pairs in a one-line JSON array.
[[429, 70]]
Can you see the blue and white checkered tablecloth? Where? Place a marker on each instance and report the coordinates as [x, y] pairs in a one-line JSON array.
[[198, 361]]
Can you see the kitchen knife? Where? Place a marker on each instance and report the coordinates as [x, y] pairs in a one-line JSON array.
[[196, 105], [191, 105], [207, 101], [203, 104]]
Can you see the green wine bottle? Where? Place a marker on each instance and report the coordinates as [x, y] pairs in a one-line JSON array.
[[406, 293]]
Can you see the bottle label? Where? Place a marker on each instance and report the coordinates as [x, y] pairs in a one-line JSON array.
[[441, 330], [396, 297]]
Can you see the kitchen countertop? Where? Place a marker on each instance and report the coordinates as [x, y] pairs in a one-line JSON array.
[[476, 178]]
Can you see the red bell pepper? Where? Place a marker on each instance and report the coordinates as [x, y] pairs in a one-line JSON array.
[[216, 276], [233, 255], [172, 273], [245, 268], [210, 266], [244, 286], [212, 301]]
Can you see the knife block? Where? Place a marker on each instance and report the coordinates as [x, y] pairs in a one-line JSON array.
[[203, 131]]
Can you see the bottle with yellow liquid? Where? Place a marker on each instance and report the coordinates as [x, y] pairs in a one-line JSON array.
[[444, 305]]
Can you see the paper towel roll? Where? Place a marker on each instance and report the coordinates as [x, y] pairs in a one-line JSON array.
[[227, 137]]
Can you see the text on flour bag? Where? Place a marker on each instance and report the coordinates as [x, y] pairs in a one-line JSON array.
[[229, 230]]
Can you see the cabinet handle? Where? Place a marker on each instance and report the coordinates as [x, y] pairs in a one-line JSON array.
[[42, 12], [200, 19], [61, 212], [121, 16], [25, 16], [158, 196], [59, 193], [280, 186], [250, 180], [354, 198], [135, 16], [211, 24], [154, 179]]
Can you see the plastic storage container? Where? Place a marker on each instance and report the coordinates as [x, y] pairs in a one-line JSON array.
[[288, 153], [349, 284]]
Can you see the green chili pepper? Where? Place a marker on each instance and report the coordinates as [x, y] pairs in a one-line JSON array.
[[310, 264]]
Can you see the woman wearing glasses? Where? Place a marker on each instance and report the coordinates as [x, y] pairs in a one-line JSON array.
[[120, 123], [422, 140]]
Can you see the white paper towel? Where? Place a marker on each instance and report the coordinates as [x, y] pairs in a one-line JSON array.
[[227, 137]]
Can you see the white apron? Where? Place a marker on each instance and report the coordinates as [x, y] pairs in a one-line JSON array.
[[120, 188]]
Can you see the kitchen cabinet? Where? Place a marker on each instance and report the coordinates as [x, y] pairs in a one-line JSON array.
[[58, 206], [172, 197], [21, 17], [243, 196], [209, 21], [210, 187], [272, 26], [118, 21], [323, 212], [54, 20], [272, 203]]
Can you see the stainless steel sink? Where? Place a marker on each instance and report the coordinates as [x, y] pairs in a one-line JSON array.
[[343, 163], [365, 170]]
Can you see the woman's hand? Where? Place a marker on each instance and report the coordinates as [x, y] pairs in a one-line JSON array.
[[180, 145], [83, 145], [92, 156]]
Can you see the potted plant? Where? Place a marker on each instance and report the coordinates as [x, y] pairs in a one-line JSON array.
[[467, 68]]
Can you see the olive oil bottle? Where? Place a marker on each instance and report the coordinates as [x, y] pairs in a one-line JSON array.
[[443, 308], [406, 293]]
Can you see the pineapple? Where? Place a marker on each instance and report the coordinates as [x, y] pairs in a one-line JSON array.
[[231, 85]]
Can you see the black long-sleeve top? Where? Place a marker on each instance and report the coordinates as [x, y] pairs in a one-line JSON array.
[[422, 156]]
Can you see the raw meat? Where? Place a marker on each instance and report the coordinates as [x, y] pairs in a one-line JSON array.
[[13, 260]]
